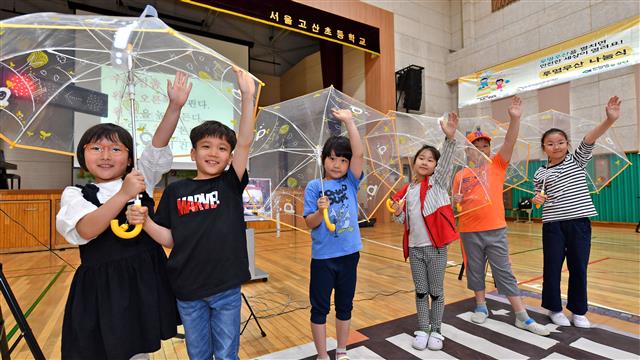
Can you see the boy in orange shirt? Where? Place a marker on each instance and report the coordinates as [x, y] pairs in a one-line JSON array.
[[484, 231]]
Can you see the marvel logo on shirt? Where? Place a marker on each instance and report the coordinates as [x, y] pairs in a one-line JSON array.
[[206, 218], [199, 202]]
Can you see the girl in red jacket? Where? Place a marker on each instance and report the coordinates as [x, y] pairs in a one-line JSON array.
[[429, 227]]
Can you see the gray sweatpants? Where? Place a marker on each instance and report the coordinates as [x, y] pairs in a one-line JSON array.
[[489, 245], [427, 268]]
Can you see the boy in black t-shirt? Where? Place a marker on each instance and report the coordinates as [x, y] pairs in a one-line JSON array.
[[202, 220]]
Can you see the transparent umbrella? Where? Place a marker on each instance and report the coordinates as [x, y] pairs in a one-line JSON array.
[[414, 131], [288, 146], [609, 160], [63, 73]]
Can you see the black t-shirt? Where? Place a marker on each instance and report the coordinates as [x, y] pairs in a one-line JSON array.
[[206, 219]]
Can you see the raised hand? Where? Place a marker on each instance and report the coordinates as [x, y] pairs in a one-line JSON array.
[[343, 115], [449, 128], [613, 108], [246, 83], [515, 109], [178, 91]]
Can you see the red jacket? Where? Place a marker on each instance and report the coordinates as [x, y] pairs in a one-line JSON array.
[[440, 224]]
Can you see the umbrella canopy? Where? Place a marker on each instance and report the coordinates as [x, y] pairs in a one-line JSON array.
[[414, 131], [59, 72], [517, 172], [608, 161], [288, 145]]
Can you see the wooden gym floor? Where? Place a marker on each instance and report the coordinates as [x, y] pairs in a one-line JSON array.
[[40, 281]]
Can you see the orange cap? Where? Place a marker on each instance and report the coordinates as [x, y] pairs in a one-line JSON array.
[[478, 134]]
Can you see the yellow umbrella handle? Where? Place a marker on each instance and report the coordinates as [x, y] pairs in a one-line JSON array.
[[538, 205], [121, 230], [327, 221], [390, 206]]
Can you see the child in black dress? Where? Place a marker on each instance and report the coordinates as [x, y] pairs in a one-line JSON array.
[[120, 303]]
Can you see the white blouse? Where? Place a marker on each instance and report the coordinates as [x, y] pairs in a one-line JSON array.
[[153, 163]]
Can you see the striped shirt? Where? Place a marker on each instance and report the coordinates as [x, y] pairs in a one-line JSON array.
[[437, 196], [565, 186]]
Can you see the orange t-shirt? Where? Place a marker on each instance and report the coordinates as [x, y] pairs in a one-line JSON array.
[[485, 216]]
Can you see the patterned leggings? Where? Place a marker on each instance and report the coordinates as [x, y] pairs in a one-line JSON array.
[[427, 269]]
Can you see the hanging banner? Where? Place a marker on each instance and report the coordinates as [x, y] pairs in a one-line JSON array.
[[610, 48]]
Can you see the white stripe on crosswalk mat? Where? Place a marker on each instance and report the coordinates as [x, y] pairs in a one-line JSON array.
[[602, 350], [512, 332], [362, 352], [479, 344], [299, 352], [556, 356], [404, 340]]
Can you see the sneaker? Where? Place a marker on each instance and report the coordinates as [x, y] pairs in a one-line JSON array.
[[479, 317], [420, 341], [533, 326], [559, 318], [436, 341], [580, 321], [342, 356]]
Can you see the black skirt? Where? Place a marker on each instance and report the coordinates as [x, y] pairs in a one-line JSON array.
[[119, 308]]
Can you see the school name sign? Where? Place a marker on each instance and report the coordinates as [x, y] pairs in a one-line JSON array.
[[610, 48], [304, 19]]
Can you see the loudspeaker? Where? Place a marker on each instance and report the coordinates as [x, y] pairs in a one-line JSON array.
[[411, 86]]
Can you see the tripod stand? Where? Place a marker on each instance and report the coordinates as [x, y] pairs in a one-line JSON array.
[[25, 330], [252, 315]]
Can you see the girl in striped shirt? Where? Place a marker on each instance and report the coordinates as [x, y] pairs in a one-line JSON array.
[[429, 227], [566, 229]]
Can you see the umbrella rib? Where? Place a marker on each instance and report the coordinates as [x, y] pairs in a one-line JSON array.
[[56, 51], [165, 63], [385, 166], [142, 55], [221, 84], [287, 150], [135, 41], [324, 116], [383, 179], [205, 49], [90, 32]]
